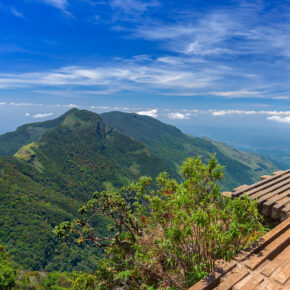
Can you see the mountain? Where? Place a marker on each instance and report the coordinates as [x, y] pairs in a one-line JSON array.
[[11, 142], [50, 168], [46, 181], [173, 146]]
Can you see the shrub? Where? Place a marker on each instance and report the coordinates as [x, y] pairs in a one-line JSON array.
[[170, 236], [7, 272]]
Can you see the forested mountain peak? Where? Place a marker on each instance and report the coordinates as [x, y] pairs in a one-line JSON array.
[[11, 142], [47, 180]]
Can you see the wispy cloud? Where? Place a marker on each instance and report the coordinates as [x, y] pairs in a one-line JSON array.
[[118, 76], [238, 94], [224, 32], [133, 6], [244, 112], [44, 115], [221, 51], [205, 37], [16, 13], [24, 104], [131, 9], [60, 4]]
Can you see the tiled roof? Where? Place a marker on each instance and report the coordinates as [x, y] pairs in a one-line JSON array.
[[265, 266], [272, 193]]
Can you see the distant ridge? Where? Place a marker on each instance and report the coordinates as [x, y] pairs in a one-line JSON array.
[[170, 144]]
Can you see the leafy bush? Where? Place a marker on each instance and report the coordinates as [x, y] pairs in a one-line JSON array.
[[169, 237], [57, 281], [7, 272]]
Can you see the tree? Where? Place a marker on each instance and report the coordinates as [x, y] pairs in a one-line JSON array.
[[7, 272], [170, 235]]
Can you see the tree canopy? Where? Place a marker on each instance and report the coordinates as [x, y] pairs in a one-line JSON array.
[[169, 234]]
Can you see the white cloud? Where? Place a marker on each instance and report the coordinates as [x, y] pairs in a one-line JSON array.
[[202, 37], [44, 115], [107, 91], [203, 45], [239, 30], [280, 119], [100, 107], [60, 4], [2, 103], [133, 6], [151, 113], [237, 94], [118, 77], [178, 115], [27, 114], [243, 112], [230, 112], [16, 13], [24, 104], [72, 106]]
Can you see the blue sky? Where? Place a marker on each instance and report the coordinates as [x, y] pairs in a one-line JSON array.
[[180, 61]]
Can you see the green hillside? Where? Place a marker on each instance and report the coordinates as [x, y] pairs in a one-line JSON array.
[[48, 180], [11, 142], [28, 212], [171, 145], [58, 164]]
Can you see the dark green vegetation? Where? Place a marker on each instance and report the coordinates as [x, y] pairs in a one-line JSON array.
[[167, 238], [11, 142], [46, 182], [59, 164], [173, 146], [7, 272], [12, 276]]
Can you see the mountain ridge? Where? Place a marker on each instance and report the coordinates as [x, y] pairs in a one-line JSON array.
[[173, 146], [46, 181], [67, 159]]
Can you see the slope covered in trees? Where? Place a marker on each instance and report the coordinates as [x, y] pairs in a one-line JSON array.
[[47, 180], [11, 142], [170, 237], [59, 164], [173, 146]]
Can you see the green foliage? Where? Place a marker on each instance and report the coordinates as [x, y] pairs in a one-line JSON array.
[[78, 156], [171, 145], [169, 237], [29, 210], [11, 142], [7, 272], [65, 160], [57, 281], [84, 281]]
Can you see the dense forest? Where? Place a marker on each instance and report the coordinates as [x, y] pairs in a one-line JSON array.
[[48, 169]]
